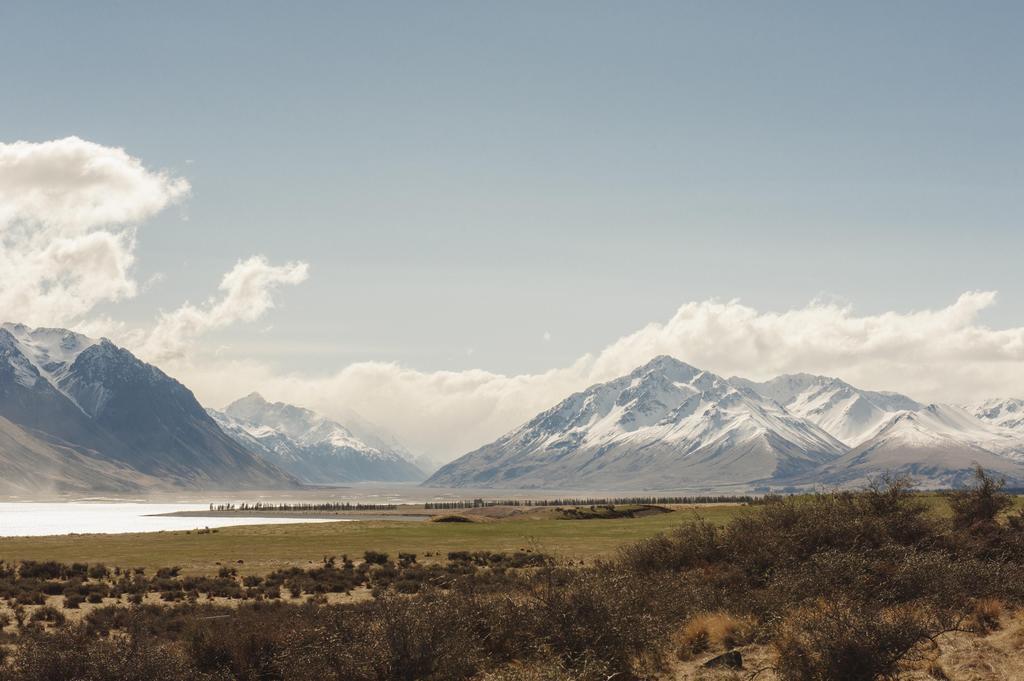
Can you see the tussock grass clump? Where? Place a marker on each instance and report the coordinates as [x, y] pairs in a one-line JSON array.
[[986, 616], [711, 631]]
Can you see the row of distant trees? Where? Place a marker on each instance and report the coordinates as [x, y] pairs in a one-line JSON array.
[[265, 506], [608, 501], [484, 503]]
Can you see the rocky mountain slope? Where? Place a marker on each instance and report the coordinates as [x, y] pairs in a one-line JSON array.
[[1005, 413], [135, 425], [32, 466]]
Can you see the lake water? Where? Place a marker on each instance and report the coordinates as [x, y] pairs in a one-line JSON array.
[[31, 519], [113, 516]]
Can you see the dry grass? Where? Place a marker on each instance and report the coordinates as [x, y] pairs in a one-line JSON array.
[[960, 656], [965, 656], [712, 631], [935, 670]]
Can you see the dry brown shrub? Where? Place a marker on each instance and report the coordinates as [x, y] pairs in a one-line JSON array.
[[980, 503], [549, 669], [848, 641]]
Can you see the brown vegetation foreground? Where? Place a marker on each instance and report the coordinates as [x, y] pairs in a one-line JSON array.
[[844, 586]]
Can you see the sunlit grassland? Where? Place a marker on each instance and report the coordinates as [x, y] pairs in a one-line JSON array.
[[267, 547], [263, 548]]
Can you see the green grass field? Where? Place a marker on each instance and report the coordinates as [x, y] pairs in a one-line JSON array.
[[266, 547]]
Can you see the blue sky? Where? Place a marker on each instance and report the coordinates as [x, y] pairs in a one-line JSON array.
[[464, 177]]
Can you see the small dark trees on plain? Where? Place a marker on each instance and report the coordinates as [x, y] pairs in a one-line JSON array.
[[375, 557], [981, 503]]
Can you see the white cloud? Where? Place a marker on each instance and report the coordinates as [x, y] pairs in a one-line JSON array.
[[942, 354], [68, 211], [68, 214], [246, 295]]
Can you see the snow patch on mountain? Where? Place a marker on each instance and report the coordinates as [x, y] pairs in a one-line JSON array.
[[937, 446], [1002, 412], [849, 414]]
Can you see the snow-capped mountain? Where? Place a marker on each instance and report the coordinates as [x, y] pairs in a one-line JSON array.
[[670, 425], [665, 425], [849, 414], [938, 446], [92, 398], [1005, 413], [311, 447]]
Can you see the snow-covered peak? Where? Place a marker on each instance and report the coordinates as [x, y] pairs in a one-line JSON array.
[[672, 402], [45, 354], [667, 367], [304, 427], [314, 448], [788, 388], [18, 365], [649, 395], [49, 347]]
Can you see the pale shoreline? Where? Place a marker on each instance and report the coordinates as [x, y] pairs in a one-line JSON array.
[[309, 515]]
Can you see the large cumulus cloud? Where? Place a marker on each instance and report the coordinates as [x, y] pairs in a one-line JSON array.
[[68, 213]]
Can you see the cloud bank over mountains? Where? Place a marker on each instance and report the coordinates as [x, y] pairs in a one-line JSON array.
[[70, 209], [944, 354]]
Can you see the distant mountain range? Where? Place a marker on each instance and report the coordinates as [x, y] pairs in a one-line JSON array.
[[312, 448], [79, 415], [668, 425], [84, 415]]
